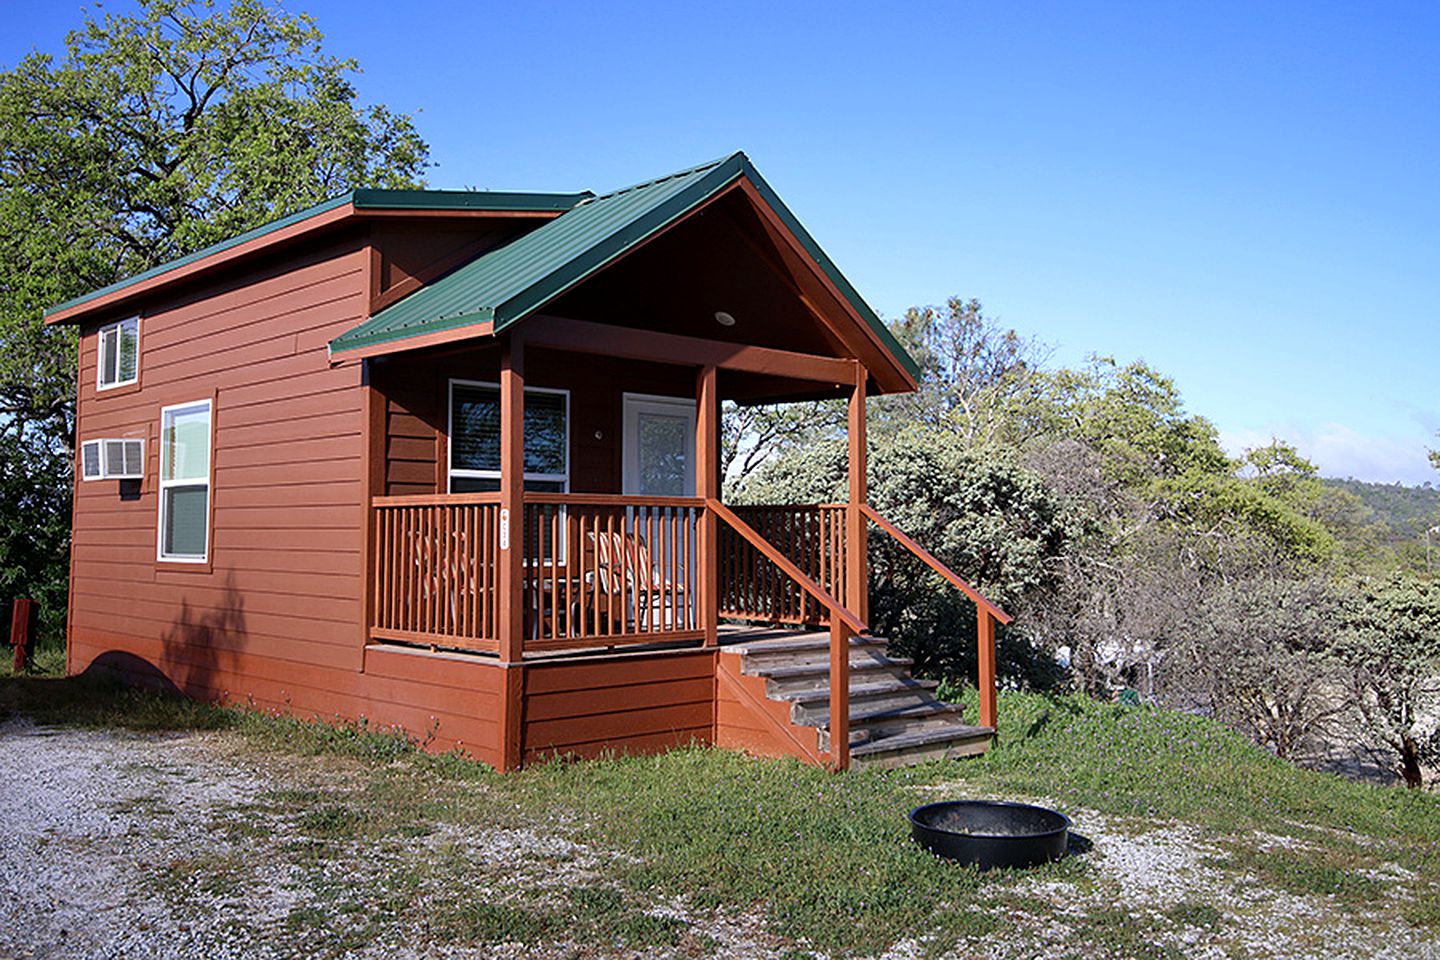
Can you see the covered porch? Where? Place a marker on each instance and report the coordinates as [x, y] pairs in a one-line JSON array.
[[606, 477], [543, 446], [610, 537]]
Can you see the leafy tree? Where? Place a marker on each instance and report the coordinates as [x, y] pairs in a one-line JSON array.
[[1218, 509], [152, 136], [155, 135], [34, 527], [1133, 417], [1162, 516], [976, 376], [1394, 651]]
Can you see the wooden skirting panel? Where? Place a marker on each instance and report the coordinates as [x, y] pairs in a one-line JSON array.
[[449, 701], [626, 704], [746, 720], [446, 702]]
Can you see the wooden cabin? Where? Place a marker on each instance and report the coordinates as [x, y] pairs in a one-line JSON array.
[[449, 461]]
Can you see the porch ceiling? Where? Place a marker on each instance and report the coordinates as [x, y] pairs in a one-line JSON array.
[[662, 256]]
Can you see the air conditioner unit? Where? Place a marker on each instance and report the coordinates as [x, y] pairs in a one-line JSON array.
[[112, 459]]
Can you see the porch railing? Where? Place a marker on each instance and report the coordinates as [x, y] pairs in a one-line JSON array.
[[597, 570], [812, 537], [987, 615], [607, 570], [755, 586], [434, 569], [602, 571]]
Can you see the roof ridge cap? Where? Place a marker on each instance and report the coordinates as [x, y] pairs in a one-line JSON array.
[[698, 168]]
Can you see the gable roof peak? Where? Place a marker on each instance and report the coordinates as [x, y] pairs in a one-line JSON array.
[[737, 156]]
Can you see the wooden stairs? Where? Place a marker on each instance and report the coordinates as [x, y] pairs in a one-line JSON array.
[[774, 699]]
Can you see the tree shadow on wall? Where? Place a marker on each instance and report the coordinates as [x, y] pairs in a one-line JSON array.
[[203, 645]]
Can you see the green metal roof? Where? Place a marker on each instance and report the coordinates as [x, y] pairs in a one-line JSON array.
[[505, 285], [361, 200]]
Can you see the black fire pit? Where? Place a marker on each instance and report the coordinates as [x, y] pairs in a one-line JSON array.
[[989, 833]]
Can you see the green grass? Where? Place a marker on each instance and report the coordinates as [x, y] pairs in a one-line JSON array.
[[826, 857]]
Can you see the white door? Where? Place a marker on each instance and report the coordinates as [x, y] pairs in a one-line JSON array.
[[658, 446]]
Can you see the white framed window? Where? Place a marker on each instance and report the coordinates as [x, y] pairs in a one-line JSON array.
[[474, 432], [185, 482], [119, 354]]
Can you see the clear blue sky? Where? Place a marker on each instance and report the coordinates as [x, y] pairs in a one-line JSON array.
[[1245, 195]]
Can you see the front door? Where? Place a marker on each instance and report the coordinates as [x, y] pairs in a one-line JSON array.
[[658, 446]]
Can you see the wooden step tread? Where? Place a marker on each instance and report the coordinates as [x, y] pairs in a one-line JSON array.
[[919, 738], [919, 711], [798, 644], [892, 685], [789, 671]]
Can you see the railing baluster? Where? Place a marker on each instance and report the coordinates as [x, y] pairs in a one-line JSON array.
[[412, 572], [595, 579], [491, 517]]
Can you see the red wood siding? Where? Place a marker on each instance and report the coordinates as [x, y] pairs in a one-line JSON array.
[[274, 619], [634, 704], [409, 254]]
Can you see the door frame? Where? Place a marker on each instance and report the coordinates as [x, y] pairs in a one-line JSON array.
[[629, 438]]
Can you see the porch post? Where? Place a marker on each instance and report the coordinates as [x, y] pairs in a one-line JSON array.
[[510, 612], [511, 622], [707, 486], [857, 574], [985, 678], [373, 443]]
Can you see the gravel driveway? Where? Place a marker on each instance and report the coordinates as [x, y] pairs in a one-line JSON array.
[[118, 844], [87, 816]]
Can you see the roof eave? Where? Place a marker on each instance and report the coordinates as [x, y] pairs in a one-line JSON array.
[[353, 205], [470, 326], [200, 262]]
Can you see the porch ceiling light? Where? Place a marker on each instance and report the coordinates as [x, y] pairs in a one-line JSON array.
[[724, 319]]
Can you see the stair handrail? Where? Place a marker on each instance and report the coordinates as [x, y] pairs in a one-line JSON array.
[[934, 563], [986, 615], [843, 624]]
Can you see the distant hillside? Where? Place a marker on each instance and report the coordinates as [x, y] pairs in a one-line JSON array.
[[1406, 510]]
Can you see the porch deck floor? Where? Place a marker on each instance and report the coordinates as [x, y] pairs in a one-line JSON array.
[[726, 635]]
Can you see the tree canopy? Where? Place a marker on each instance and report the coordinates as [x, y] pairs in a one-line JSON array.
[[155, 135], [152, 136]]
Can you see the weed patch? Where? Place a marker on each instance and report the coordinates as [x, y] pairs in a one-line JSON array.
[[1200, 915], [1303, 872], [1118, 935], [475, 921]]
